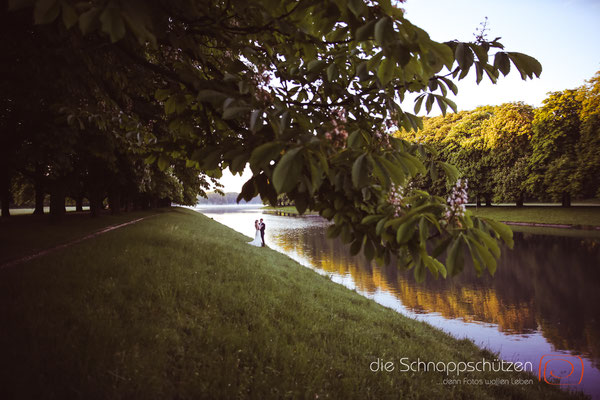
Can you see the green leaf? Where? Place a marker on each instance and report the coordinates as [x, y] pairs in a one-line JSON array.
[[450, 85], [488, 241], [429, 103], [265, 153], [406, 231], [480, 51], [232, 112], [365, 32], [502, 230], [287, 171], [163, 162], [464, 56], [69, 16], [488, 260], [356, 139], [453, 261], [394, 170], [211, 96], [355, 247], [332, 72], [418, 103], [368, 250], [380, 172], [333, 231], [162, 94], [88, 21], [386, 70], [46, 11], [369, 219], [112, 23], [527, 65], [357, 7], [316, 65], [502, 62], [450, 170], [360, 171], [383, 30], [254, 118], [451, 104], [150, 159], [478, 72]]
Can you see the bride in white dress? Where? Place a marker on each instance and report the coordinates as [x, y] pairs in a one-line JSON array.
[[257, 240]]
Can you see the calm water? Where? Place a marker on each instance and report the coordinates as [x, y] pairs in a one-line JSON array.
[[544, 298]]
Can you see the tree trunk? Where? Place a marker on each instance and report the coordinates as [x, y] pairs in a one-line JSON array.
[[57, 202], [488, 201], [38, 185], [566, 199], [478, 201], [520, 201], [114, 201], [95, 202], [5, 195], [79, 203], [39, 200]]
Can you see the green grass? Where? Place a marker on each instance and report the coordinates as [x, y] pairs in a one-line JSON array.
[[576, 215], [179, 306], [21, 235]]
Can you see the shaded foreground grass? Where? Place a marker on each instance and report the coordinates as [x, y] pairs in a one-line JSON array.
[[22, 235], [178, 306], [576, 215]]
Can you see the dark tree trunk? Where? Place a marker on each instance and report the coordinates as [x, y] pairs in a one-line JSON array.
[[95, 199], [478, 201], [566, 199], [520, 201], [114, 202], [39, 193], [57, 202], [488, 201], [5, 195], [39, 201], [127, 204], [79, 203]]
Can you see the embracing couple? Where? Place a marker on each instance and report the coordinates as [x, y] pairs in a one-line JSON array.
[[259, 236]]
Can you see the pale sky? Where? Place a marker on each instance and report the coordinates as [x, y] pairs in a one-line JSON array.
[[563, 35]]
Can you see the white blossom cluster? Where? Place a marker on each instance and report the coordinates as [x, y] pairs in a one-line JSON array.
[[396, 197], [338, 134], [457, 200]]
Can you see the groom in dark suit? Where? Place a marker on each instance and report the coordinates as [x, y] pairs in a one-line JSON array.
[[262, 225]]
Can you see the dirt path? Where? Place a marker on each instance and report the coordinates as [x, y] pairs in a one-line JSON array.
[[62, 246]]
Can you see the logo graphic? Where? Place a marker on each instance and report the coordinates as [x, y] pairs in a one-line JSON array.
[[558, 369]]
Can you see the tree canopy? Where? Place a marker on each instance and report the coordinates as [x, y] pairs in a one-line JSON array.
[[513, 151], [305, 92]]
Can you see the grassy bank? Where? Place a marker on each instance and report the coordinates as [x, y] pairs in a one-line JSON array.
[[178, 306], [288, 210], [576, 215]]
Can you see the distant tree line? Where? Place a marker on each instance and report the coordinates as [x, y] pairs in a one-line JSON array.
[[514, 152], [225, 198]]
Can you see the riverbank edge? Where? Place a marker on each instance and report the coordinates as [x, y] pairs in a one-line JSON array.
[[326, 354]]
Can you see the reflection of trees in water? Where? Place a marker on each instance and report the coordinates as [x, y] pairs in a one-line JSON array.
[[550, 282]]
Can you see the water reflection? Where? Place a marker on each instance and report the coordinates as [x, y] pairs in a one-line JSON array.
[[544, 297]]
